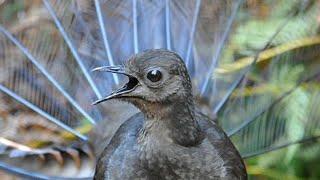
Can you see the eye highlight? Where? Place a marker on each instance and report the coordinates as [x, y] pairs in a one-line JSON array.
[[154, 75]]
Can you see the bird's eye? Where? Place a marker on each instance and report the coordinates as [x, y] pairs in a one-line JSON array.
[[154, 75]]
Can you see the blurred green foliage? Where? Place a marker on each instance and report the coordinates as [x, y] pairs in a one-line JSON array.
[[299, 161], [297, 110]]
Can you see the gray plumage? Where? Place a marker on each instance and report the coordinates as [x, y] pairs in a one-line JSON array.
[[170, 138]]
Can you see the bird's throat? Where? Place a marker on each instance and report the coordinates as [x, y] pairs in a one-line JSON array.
[[175, 122]]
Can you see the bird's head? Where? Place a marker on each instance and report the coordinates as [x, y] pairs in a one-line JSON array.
[[155, 77]]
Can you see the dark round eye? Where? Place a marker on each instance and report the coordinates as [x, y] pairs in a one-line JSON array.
[[154, 75]]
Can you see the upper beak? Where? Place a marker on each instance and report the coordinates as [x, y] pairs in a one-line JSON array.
[[127, 88], [112, 69]]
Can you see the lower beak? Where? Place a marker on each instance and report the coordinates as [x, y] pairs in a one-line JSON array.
[[127, 88]]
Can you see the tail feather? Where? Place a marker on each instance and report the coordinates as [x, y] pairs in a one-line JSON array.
[[47, 50], [118, 18], [187, 57], [222, 42], [98, 31], [184, 16], [25, 174], [64, 32], [271, 129], [168, 25], [153, 24], [41, 112], [51, 74], [21, 172], [21, 85], [46, 73], [240, 75], [258, 122], [105, 39]]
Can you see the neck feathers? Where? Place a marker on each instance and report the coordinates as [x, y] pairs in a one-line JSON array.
[[177, 122]]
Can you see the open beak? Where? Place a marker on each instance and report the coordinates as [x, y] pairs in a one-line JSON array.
[[127, 88]]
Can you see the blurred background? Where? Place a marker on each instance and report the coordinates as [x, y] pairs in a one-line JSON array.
[[292, 55]]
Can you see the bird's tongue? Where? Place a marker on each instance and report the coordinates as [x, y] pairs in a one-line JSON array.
[[131, 83], [127, 88]]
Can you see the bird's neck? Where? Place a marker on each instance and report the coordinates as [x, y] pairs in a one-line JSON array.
[[175, 121]]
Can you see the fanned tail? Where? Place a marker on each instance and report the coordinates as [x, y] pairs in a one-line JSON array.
[[252, 80], [280, 93], [42, 79]]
